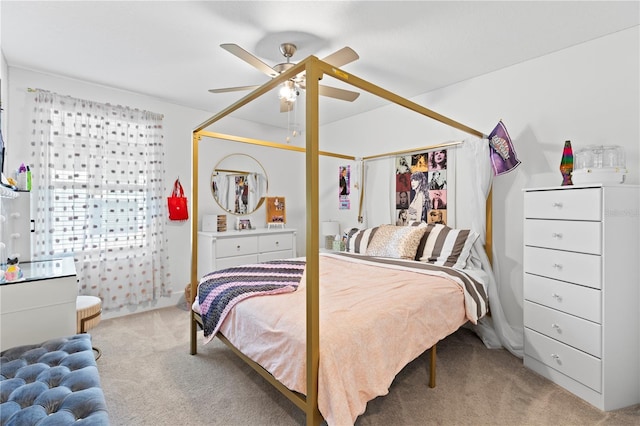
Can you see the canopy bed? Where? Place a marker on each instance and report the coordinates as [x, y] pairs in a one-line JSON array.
[[307, 387]]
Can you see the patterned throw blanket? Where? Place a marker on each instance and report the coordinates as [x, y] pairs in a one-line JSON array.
[[219, 291]]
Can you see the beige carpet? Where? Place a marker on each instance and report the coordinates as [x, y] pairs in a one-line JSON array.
[[149, 378]]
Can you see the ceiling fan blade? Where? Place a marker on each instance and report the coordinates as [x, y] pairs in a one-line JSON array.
[[249, 58], [341, 57], [285, 106], [334, 92], [233, 89]]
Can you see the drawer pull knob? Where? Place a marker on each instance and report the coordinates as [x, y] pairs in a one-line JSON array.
[[558, 205], [556, 235], [277, 243], [556, 357], [557, 297], [557, 327], [238, 247], [557, 265]]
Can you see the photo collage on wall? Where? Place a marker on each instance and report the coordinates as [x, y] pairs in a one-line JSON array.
[[421, 188]]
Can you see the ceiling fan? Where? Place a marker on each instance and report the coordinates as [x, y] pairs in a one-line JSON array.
[[290, 89]]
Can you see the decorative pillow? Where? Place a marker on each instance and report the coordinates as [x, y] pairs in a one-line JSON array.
[[396, 241], [358, 239], [446, 246]]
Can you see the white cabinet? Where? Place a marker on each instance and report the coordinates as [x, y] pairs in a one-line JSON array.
[[581, 279], [41, 306], [219, 250], [17, 224]]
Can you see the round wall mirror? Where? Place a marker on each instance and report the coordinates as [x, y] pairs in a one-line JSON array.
[[239, 184]]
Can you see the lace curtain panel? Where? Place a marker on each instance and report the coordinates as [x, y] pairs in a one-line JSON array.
[[98, 184]]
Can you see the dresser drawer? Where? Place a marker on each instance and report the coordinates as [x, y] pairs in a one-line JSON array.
[[583, 302], [576, 364], [228, 262], [276, 242], [275, 255], [236, 246], [584, 237], [572, 204], [577, 332], [579, 268]]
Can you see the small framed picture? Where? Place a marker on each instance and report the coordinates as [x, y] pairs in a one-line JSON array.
[[276, 210], [244, 224]]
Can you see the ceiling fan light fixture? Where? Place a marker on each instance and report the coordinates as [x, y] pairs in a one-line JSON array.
[[288, 91]]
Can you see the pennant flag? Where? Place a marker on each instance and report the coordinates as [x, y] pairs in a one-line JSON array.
[[503, 155]]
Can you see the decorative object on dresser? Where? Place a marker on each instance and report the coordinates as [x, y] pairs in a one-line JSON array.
[[581, 290], [233, 248], [599, 164], [566, 163], [221, 222], [276, 211]]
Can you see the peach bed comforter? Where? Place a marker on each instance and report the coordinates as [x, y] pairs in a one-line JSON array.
[[374, 319]]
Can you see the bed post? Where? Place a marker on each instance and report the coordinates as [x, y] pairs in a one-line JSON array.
[[313, 244], [432, 367], [194, 238]]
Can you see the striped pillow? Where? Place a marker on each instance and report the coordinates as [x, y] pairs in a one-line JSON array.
[[358, 239], [400, 242], [446, 246]]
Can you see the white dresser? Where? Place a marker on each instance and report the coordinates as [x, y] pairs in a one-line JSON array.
[[219, 250], [41, 306], [581, 298]]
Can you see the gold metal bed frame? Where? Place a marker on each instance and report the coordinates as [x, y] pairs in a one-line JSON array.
[[315, 69]]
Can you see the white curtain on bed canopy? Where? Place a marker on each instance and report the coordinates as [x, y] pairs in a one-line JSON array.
[[474, 160]]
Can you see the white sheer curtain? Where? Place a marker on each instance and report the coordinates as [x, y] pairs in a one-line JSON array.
[[98, 185], [222, 189], [474, 161]]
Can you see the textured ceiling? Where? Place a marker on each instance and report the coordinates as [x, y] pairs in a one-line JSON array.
[[170, 49]]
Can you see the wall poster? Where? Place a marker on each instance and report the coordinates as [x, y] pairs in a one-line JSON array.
[[421, 188], [344, 187]]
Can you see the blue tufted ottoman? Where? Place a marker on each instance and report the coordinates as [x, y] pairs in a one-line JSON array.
[[53, 383]]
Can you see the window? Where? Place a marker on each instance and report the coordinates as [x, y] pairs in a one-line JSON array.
[[99, 185]]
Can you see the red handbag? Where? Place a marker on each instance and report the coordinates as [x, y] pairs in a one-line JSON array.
[[177, 203]]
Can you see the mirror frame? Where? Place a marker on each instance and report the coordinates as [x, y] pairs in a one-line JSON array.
[[217, 169]]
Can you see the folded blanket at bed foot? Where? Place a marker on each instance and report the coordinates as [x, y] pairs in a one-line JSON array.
[[52, 383]]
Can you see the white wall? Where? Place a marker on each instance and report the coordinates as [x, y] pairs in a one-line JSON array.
[[588, 94]]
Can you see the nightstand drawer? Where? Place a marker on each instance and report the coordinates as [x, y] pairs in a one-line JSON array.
[[583, 302], [571, 204], [579, 268], [236, 246], [276, 242], [577, 332], [583, 237], [576, 364]]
